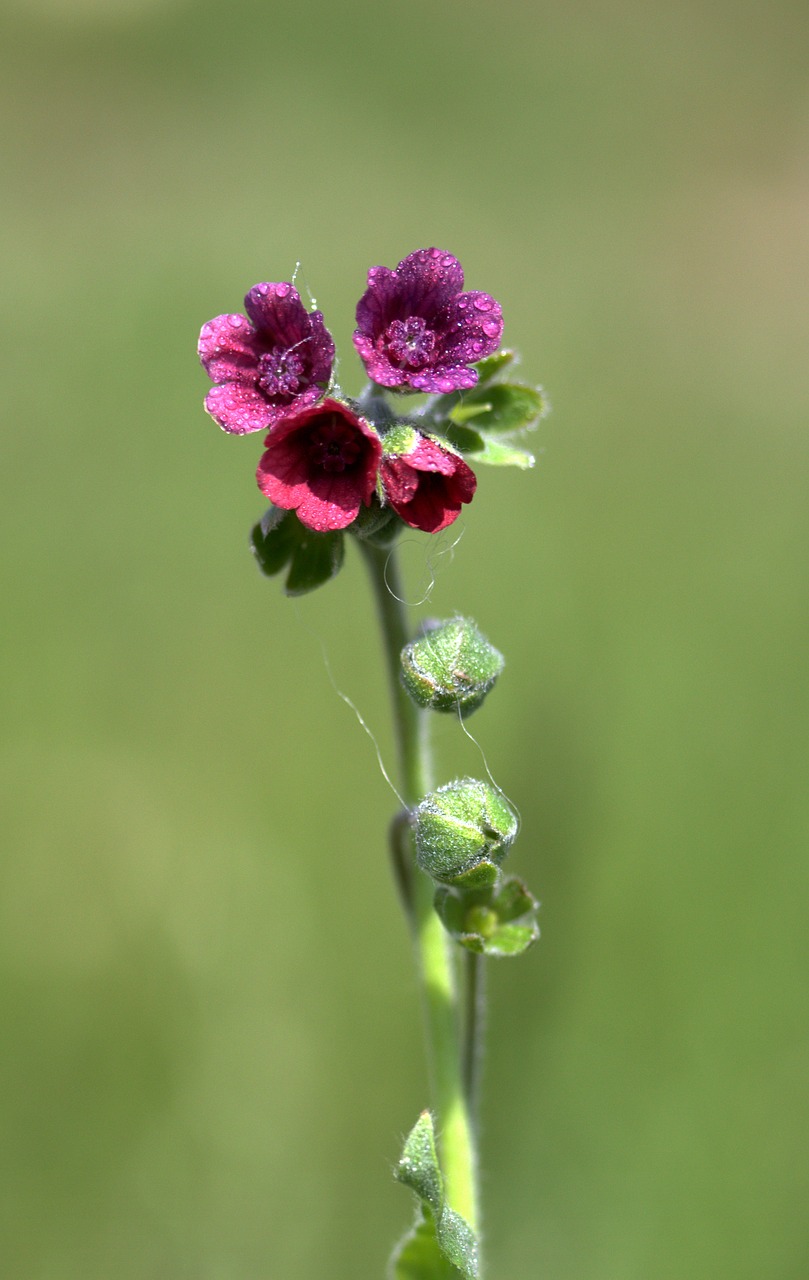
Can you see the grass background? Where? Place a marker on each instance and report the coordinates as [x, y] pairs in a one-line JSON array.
[[210, 1044]]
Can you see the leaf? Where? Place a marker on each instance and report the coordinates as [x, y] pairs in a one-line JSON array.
[[493, 366], [419, 1256], [441, 1245], [484, 448], [503, 408], [316, 558], [418, 1165], [272, 540], [279, 539]]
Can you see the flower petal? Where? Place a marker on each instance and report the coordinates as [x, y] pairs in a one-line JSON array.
[[443, 379], [474, 327], [291, 477], [277, 313], [378, 366], [240, 409], [227, 349], [428, 280]]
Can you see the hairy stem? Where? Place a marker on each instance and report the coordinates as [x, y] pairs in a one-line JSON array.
[[474, 974], [435, 959]]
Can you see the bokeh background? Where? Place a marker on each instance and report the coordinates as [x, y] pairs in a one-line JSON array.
[[210, 1030]]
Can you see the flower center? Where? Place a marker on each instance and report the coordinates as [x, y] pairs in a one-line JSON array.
[[280, 373], [333, 445], [409, 343]]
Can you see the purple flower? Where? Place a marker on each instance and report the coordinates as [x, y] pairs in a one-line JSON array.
[[427, 484], [278, 364], [418, 331], [321, 462]]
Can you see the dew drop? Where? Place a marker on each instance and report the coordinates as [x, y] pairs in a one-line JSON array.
[[483, 303]]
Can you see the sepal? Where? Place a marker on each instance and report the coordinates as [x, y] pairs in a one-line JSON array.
[[441, 1245], [497, 921], [462, 833], [280, 540], [451, 667]]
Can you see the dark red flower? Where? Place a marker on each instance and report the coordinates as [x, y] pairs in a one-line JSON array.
[[321, 462], [427, 484], [418, 331], [279, 363]]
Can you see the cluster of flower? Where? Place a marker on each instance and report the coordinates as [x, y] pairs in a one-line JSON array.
[[325, 458]]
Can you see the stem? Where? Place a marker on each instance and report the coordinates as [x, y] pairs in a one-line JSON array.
[[435, 960], [474, 975]]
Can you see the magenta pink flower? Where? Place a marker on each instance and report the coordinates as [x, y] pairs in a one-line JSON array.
[[278, 364], [427, 484], [321, 462], [418, 331]]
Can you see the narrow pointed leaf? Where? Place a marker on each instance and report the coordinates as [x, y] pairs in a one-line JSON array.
[[442, 1245], [419, 1256], [418, 1166], [481, 447], [457, 1240]]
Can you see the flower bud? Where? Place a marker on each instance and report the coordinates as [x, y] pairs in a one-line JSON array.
[[451, 667], [462, 832]]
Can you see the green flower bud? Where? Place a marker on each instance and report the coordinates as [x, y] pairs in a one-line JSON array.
[[452, 666], [462, 832]]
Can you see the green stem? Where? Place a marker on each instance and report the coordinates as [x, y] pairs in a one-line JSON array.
[[436, 962], [474, 975]]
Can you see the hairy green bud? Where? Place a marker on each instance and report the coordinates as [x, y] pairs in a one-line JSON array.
[[462, 833], [451, 667]]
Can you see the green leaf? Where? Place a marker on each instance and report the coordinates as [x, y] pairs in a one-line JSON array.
[[488, 370], [418, 1166], [279, 539], [503, 408], [484, 448], [317, 558], [441, 1245], [493, 366], [419, 1255], [272, 540]]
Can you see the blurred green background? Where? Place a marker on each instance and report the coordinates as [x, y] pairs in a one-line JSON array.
[[210, 1031]]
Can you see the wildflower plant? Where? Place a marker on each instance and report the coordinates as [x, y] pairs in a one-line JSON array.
[[371, 468]]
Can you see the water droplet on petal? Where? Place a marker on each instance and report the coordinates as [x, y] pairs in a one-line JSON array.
[[483, 303]]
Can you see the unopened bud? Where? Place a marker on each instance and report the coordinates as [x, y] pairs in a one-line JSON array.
[[451, 667], [462, 832]]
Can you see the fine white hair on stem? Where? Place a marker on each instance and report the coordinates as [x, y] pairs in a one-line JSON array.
[[349, 703]]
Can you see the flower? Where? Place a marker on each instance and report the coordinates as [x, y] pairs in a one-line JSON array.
[[426, 483], [264, 370], [321, 462], [418, 331]]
